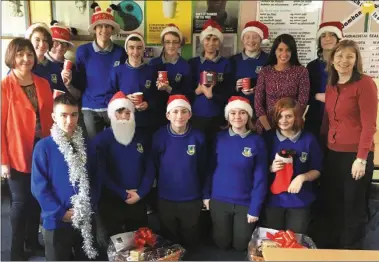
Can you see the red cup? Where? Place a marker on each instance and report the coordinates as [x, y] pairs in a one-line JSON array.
[[162, 76], [139, 96], [246, 83], [67, 64], [208, 78], [57, 93]]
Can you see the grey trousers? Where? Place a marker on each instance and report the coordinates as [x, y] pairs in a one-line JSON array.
[[95, 122]]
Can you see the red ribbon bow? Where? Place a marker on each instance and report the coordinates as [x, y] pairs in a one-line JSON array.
[[144, 236], [286, 239]]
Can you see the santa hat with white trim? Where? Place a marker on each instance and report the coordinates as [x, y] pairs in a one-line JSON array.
[[134, 34], [259, 28], [31, 28], [103, 17], [333, 27], [211, 27], [178, 100], [172, 28], [238, 102], [62, 33], [119, 100]]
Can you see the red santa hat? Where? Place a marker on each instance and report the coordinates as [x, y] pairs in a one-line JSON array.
[[172, 28], [134, 34], [333, 27], [178, 100], [240, 103], [103, 17], [259, 28], [211, 27], [31, 28], [62, 33], [119, 100]]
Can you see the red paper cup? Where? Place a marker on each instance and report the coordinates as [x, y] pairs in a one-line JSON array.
[[139, 96], [246, 83], [57, 93], [67, 64], [162, 76], [207, 78]]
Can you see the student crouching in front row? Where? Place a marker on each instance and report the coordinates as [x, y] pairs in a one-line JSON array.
[[237, 183], [296, 159]]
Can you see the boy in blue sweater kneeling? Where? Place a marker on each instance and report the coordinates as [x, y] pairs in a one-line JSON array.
[[179, 163], [63, 173]]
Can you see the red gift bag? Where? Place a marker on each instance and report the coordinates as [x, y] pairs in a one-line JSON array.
[[283, 177]]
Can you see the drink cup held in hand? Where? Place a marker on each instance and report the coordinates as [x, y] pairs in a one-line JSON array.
[[67, 64], [57, 93], [139, 96], [162, 76], [246, 83], [208, 78]]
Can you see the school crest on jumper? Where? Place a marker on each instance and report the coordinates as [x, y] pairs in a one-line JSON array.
[[246, 152], [191, 150], [54, 78], [178, 77], [258, 69], [220, 77], [116, 63], [303, 157], [148, 84], [139, 148]]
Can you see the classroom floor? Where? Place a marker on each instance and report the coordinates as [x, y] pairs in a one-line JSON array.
[[207, 251]]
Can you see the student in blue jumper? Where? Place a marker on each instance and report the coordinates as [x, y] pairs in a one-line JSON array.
[[328, 35], [126, 180], [180, 183], [210, 98], [94, 62], [289, 201], [63, 178], [179, 79], [250, 61], [237, 183]]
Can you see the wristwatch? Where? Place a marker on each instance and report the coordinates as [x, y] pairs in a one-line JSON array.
[[360, 160]]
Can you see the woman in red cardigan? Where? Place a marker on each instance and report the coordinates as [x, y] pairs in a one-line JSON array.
[[26, 107], [351, 106]]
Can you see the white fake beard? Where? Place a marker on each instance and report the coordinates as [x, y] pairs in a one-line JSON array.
[[124, 130]]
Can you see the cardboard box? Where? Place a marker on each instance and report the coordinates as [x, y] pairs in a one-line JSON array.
[[296, 254]]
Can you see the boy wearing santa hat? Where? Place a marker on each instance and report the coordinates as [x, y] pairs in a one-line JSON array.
[[138, 79], [211, 81], [247, 64], [126, 180], [179, 182], [94, 62]]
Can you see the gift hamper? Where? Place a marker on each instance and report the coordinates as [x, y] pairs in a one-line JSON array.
[[143, 245], [266, 237]]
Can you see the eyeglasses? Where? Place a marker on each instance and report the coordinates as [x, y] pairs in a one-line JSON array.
[[62, 44], [171, 42]]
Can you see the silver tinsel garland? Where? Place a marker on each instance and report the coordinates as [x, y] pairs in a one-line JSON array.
[[81, 201]]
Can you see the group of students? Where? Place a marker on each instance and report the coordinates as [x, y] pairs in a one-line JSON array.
[[244, 153]]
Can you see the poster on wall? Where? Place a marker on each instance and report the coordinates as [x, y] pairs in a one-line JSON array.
[[160, 13], [297, 18], [223, 11], [75, 14], [130, 17], [361, 24], [16, 15], [229, 46]]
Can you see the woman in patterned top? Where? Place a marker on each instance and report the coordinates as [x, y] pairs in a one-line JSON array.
[[27, 104], [283, 76]]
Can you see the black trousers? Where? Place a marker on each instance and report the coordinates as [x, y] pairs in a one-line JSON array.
[[295, 219], [63, 244], [230, 227], [25, 214], [344, 201], [180, 220]]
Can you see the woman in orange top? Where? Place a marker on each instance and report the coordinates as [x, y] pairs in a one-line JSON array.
[[26, 107]]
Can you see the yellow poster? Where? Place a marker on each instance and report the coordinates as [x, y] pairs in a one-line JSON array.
[[161, 13]]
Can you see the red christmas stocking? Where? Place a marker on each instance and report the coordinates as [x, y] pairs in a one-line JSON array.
[[283, 177]]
